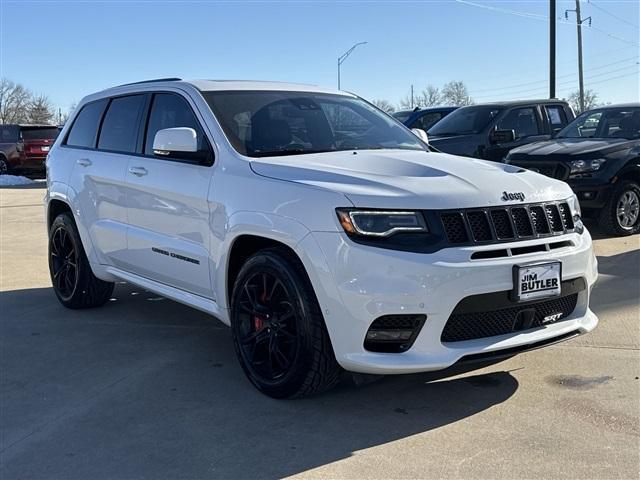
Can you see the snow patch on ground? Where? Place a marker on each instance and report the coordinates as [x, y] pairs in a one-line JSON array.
[[11, 180]]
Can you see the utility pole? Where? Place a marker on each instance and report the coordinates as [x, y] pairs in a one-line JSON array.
[[552, 48], [344, 56], [411, 96], [579, 22]]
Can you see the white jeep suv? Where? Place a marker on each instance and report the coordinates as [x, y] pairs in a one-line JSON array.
[[325, 233]]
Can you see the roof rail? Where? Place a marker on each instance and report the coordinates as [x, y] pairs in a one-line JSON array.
[[169, 79]]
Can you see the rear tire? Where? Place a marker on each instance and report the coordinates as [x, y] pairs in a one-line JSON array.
[[4, 166], [278, 330], [621, 215], [73, 282]]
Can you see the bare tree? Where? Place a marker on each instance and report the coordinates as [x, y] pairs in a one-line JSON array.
[[40, 110], [591, 100], [14, 102], [431, 96], [384, 105], [456, 93]]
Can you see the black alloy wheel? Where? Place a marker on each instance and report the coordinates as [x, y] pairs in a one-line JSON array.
[[64, 261], [267, 324], [73, 281], [278, 330]]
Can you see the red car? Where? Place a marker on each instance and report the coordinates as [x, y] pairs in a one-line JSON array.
[[24, 148]]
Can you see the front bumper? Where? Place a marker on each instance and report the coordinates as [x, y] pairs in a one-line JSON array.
[[592, 193], [355, 284]]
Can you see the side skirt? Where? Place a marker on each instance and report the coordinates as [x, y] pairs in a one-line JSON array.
[[195, 301]]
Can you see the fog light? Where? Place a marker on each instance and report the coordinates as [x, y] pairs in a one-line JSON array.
[[389, 335], [588, 195], [393, 333]]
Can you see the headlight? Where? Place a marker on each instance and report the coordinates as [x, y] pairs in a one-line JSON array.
[[380, 223], [576, 212], [586, 166]]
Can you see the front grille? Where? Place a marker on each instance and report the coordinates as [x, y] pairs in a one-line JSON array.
[[517, 222], [519, 317]]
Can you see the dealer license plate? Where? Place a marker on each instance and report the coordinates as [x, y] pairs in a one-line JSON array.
[[538, 280]]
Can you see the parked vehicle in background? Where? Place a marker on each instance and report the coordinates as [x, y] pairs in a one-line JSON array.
[[598, 155], [24, 148], [490, 131], [422, 118], [326, 234]]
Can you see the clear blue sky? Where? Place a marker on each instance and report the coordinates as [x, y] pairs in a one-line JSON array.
[[67, 49]]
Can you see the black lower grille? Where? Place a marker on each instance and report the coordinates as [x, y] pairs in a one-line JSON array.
[[519, 317]]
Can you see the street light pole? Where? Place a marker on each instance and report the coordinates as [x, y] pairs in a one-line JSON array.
[[344, 56]]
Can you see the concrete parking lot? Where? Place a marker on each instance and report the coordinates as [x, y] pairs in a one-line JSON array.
[[147, 388]]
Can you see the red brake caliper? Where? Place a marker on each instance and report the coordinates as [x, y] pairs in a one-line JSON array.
[[258, 323]]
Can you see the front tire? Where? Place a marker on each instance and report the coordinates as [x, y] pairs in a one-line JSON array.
[[278, 330], [621, 214], [74, 283]]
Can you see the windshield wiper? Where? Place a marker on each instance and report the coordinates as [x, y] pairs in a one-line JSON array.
[[287, 151]]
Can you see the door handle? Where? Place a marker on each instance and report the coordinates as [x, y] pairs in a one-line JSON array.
[[84, 162], [138, 171]]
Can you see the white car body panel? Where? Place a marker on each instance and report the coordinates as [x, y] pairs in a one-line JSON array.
[[199, 212]]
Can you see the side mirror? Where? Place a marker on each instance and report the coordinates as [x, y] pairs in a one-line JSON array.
[[555, 132], [421, 134], [169, 141], [502, 136]]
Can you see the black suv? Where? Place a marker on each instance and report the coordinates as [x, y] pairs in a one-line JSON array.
[[598, 155], [489, 131]]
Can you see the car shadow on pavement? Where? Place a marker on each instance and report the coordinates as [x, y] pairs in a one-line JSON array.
[[145, 387], [618, 283]]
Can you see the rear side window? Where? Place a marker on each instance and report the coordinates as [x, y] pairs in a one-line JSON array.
[[85, 127], [170, 111], [557, 116], [119, 132], [9, 134]]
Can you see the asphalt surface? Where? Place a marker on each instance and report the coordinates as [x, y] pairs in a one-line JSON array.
[[146, 388]]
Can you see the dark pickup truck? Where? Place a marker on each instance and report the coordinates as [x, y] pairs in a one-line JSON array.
[[489, 131], [598, 155]]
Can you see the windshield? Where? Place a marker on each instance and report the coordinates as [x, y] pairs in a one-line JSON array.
[[402, 116], [39, 133], [605, 123], [464, 121], [273, 123]]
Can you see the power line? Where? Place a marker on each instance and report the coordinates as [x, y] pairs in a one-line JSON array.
[[535, 16], [538, 91], [590, 2], [535, 82]]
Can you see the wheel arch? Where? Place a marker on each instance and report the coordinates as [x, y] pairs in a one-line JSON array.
[[243, 247], [55, 208], [631, 171]]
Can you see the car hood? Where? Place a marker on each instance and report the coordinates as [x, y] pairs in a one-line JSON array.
[[411, 179], [570, 148]]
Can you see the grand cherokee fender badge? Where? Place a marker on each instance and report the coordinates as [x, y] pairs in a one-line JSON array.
[[506, 196]]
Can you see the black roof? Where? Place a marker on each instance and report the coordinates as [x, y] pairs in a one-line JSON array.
[[425, 109]]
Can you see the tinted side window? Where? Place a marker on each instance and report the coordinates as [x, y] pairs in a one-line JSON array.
[[557, 116], [119, 130], [85, 127], [169, 111], [426, 121], [521, 120]]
